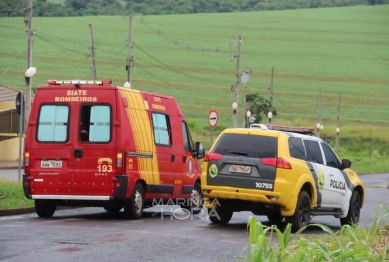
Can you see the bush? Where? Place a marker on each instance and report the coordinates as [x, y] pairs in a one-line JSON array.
[[351, 243]]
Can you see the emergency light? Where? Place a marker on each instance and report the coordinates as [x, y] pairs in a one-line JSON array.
[[79, 82]]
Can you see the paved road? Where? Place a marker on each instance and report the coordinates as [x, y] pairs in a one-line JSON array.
[[376, 193], [87, 234], [10, 174]]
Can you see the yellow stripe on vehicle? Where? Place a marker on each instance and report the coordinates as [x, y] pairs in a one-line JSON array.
[[143, 135]]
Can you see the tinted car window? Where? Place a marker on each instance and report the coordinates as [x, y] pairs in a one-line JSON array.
[[313, 151], [331, 158], [246, 145], [296, 148]]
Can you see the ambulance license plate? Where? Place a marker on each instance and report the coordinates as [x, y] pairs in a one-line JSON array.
[[51, 163], [240, 169]]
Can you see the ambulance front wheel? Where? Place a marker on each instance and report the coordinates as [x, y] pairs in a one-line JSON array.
[[44, 208], [133, 208], [195, 202]]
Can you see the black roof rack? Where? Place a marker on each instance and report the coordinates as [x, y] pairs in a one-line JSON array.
[[294, 129]]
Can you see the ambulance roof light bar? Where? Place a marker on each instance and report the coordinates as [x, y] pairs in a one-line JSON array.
[[79, 82]]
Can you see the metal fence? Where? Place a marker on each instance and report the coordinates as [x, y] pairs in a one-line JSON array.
[[9, 124]]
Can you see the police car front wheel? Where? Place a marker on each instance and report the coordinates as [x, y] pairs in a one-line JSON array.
[[354, 210]]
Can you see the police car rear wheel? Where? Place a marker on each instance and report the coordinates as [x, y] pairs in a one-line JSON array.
[[44, 208], [220, 215], [302, 214], [275, 217], [133, 207], [354, 210], [195, 201]]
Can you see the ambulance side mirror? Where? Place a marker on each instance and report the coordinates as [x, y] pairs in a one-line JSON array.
[[200, 151]]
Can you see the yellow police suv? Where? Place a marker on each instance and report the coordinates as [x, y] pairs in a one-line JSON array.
[[283, 173]]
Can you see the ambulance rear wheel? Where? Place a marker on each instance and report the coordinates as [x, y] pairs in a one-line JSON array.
[[113, 209], [44, 208], [195, 200], [133, 208]]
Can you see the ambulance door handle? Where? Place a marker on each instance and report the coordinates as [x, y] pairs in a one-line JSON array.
[[173, 158], [184, 159], [77, 153]]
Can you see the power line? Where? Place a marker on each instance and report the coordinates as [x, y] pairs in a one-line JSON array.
[[169, 68], [115, 54], [67, 49], [144, 69]]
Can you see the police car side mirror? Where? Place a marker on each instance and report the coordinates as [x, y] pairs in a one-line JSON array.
[[200, 152], [345, 164]]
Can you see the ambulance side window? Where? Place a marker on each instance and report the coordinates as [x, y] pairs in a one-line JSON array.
[[188, 143], [162, 129], [53, 122], [95, 124]]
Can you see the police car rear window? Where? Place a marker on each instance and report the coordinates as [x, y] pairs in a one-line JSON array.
[[246, 145]]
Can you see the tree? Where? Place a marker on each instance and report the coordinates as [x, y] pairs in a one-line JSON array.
[[258, 105], [12, 7]]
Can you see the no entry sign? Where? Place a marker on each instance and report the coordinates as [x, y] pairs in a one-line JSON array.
[[212, 118]]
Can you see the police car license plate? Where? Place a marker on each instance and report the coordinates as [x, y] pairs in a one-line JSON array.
[[240, 169], [51, 163]]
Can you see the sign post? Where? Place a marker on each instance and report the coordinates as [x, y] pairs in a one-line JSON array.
[[212, 121], [19, 109]]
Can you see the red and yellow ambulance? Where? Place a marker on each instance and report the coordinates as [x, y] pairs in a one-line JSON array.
[[90, 143]]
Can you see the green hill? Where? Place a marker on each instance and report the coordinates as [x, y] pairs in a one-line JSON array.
[[342, 50]]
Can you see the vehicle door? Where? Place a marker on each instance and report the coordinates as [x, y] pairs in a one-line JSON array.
[[51, 151], [320, 173], [165, 155], [190, 170], [94, 152], [337, 184]]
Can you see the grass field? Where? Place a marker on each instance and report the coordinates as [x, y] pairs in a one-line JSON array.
[[342, 50]]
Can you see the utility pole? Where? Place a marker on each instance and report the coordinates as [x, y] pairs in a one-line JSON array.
[[28, 22], [92, 53], [129, 58], [337, 129], [270, 114], [318, 125], [237, 81], [244, 79]]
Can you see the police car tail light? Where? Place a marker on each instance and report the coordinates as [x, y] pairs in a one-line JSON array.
[[26, 159], [270, 161], [212, 156], [276, 162], [119, 161], [283, 163], [272, 197]]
